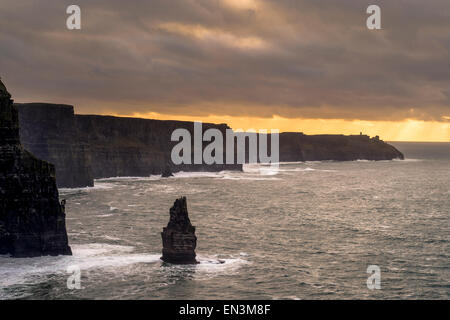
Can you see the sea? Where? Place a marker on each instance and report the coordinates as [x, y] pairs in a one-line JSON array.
[[308, 230]]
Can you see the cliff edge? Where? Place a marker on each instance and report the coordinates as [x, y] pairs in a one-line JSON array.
[[88, 147], [32, 221], [49, 132], [295, 146]]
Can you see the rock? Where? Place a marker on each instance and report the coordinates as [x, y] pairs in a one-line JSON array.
[[32, 220], [167, 172], [300, 147], [88, 147], [179, 240], [49, 132]]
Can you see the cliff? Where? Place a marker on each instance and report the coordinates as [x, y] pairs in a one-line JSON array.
[[49, 132], [32, 221], [84, 147], [300, 147], [87, 147], [136, 147]]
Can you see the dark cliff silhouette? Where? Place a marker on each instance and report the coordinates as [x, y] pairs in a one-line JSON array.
[[32, 220], [85, 147]]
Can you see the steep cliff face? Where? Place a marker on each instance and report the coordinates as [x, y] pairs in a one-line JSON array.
[[300, 147], [136, 147], [32, 221], [49, 132], [84, 147]]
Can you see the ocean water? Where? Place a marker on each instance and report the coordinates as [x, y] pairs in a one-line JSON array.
[[308, 231]]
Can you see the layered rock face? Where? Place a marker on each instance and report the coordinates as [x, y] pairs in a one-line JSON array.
[[179, 240], [300, 147], [49, 132], [32, 221], [137, 147], [84, 147]]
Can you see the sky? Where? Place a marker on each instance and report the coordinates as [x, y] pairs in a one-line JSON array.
[[294, 65]]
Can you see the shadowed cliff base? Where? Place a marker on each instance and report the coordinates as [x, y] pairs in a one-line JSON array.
[[86, 147]]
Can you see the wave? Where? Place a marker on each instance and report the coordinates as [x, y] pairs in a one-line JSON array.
[[393, 160], [299, 169], [255, 172], [97, 186], [25, 271], [211, 265], [248, 178], [104, 215], [408, 160], [15, 271], [128, 178], [111, 238], [198, 174], [249, 172], [180, 174]]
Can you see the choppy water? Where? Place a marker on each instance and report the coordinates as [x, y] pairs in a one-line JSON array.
[[307, 232]]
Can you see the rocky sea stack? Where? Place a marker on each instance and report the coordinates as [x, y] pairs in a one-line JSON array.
[[32, 220], [179, 240], [167, 173]]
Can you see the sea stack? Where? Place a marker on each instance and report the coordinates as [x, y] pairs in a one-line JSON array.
[[167, 172], [179, 240], [32, 220]]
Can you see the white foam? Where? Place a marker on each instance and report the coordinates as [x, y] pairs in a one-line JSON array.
[[393, 160], [409, 160], [300, 170], [245, 176], [128, 178], [111, 238], [268, 169], [97, 186], [200, 174], [88, 256], [211, 266], [296, 162], [286, 298], [260, 168]]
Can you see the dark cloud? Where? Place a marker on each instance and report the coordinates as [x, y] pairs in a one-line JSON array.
[[292, 58]]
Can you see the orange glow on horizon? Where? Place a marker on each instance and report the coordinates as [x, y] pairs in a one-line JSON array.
[[407, 130]]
